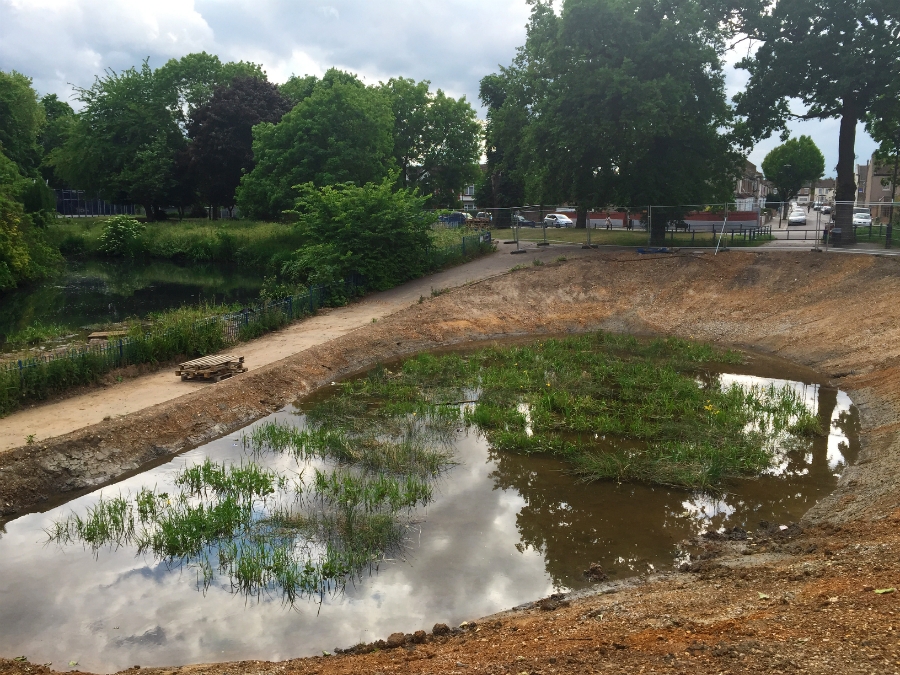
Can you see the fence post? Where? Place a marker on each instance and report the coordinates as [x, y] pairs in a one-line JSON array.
[[463, 245], [121, 353], [291, 306]]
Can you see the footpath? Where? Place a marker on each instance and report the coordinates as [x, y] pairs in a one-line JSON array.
[[93, 405]]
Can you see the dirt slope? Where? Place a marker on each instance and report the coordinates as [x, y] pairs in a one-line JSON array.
[[801, 601]]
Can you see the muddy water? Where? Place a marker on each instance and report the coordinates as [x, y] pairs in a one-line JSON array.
[[503, 530]]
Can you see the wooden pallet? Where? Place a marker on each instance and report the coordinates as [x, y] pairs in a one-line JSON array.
[[213, 368]]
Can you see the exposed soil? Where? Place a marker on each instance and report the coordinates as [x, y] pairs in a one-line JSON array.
[[798, 600]]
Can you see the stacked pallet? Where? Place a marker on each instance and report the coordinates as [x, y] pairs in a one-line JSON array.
[[213, 368]]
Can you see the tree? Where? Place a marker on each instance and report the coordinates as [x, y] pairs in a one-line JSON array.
[[503, 186], [436, 140], [124, 142], [372, 230], [194, 78], [792, 165], [21, 121], [605, 120], [836, 57], [60, 118], [341, 133], [298, 88], [221, 133], [883, 125]]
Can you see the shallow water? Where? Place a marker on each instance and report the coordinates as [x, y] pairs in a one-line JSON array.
[[503, 529], [90, 293]]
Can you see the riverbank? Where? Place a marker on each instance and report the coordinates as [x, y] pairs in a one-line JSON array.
[[801, 599]]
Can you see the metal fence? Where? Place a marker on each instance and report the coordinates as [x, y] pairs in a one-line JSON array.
[[76, 204]]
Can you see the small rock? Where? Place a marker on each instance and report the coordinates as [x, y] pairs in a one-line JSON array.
[[419, 637], [396, 640], [460, 664], [595, 572], [440, 629]]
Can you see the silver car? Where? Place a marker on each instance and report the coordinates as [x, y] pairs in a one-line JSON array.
[[797, 218]]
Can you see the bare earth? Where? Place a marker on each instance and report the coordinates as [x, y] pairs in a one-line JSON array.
[[799, 600]]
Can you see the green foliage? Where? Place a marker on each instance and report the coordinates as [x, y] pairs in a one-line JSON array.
[[342, 132], [221, 135], [436, 140], [836, 57], [589, 113], [124, 141], [60, 118], [21, 120], [613, 406], [792, 165], [120, 236], [371, 230]]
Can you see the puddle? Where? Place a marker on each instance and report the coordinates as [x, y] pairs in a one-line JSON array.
[[502, 529]]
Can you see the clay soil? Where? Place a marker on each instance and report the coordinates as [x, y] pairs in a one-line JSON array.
[[803, 599]]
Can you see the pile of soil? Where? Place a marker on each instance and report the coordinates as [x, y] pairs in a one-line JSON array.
[[803, 599]]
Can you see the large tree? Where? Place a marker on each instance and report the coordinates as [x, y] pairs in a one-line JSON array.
[[21, 121], [836, 57], [503, 185], [221, 133], [792, 165], [60, 118], [124, 141], [195, 77], [340, 133], [605, 120], [436, 140]]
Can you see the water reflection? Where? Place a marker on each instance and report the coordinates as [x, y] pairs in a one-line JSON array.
[[503, 529]]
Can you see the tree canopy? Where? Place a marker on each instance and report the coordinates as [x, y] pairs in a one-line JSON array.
[[436, 140], [221, 133], [373, 230], [602, 118], [340, 133], [21, 120], [838, 58], [792, 165]]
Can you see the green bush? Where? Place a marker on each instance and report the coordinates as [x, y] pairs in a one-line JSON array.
[[121, 236], [371, 231]]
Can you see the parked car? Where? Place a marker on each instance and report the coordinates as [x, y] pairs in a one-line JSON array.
[[797, 217], [455, 218], [826, 209], [862, 216], [522, 221], [557, 220], [483, 215]]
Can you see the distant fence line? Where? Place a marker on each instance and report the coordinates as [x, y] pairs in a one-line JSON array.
[[36, 377], [76, 204]]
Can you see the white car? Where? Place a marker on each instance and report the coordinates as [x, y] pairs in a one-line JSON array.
[[862, 217], [797, 218], [557, 220]]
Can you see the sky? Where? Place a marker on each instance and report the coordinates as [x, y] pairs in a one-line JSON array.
[[451, 43]]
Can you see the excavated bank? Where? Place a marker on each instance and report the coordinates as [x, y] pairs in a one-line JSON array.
[[834, 313]]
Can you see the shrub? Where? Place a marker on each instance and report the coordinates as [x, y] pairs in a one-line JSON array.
[[121, 235]]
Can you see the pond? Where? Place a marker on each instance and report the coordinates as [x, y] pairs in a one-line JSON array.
[[87, 294], [499, 529]]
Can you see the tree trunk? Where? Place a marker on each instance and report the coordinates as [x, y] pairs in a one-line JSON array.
[[845, 192], [890, 226], [214, 209], [581, 218], [658, 220], [148, 212]]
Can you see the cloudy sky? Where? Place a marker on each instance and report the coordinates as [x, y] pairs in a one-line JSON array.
[[452, 43]]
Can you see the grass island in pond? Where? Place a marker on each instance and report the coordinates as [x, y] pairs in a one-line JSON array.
[[612, 407]]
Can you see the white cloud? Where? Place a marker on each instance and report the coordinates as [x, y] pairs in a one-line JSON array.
[[452, 43]]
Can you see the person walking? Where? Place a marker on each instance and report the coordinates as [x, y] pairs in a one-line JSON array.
[[608, 222]]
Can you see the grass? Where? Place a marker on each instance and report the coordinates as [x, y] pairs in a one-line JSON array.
[[623, 237], [35, 334], [614, 407]]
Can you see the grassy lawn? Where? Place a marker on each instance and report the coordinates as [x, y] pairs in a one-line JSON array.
[[620, 237]]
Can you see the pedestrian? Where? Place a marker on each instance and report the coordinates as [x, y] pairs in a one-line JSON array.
[[608, 222]]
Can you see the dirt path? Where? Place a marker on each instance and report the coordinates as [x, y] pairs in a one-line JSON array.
[[95, 404], [794, 601]]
